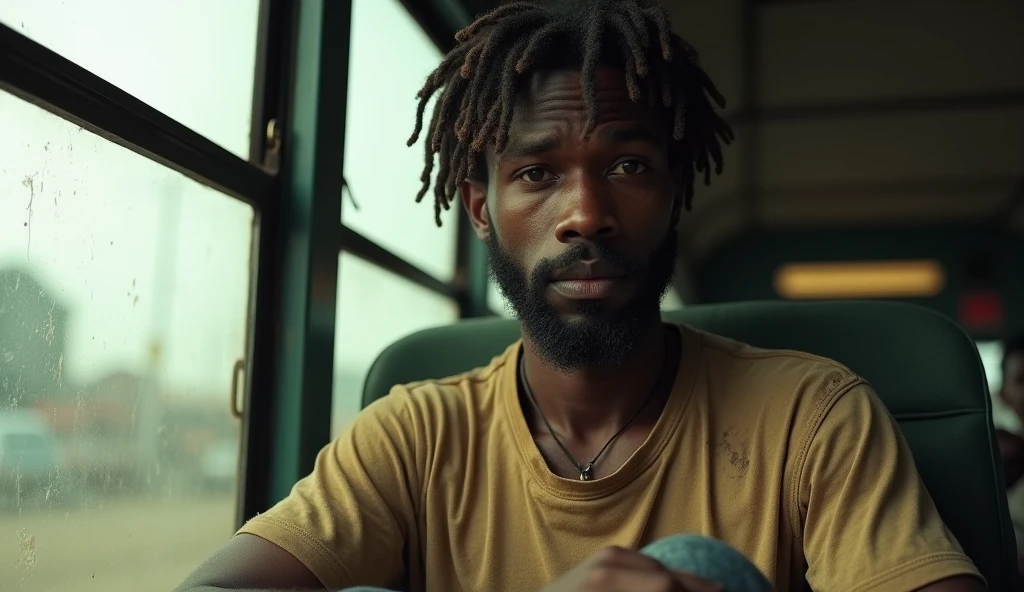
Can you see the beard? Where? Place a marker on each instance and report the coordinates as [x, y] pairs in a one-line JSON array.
[[595, 336]]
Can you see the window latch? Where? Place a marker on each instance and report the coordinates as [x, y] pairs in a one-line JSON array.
[[272, 147]]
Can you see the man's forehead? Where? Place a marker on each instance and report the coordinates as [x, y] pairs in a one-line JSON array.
[[564, 85], [555, 94]]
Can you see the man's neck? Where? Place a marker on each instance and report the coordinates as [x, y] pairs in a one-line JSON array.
[[585, 401]]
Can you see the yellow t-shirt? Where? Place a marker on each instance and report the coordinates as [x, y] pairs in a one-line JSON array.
[[788, 457]]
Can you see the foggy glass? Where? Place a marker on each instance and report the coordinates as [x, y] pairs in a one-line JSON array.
[[375, 309], [383, 174], [123, 308], [191, 59]]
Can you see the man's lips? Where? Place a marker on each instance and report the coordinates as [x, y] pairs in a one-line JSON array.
[[589, 270], [589, 288]]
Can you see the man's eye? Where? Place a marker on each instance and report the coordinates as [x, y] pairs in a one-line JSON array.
[[629, 167], [535, 175]]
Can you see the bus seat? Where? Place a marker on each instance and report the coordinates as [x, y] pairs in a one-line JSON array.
[[923, 366]]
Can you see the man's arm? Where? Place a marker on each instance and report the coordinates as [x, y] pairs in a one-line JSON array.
[[867, 520], [249, 563], [343, 525]]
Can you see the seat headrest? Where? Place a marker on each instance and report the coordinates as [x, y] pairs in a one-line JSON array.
[[918, 360]]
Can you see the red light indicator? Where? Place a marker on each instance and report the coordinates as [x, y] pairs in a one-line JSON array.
[[981, 310]]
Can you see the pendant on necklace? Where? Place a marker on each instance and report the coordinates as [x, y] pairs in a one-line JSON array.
[[587, 474]]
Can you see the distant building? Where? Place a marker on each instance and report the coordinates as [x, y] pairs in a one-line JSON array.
[[33, 330]]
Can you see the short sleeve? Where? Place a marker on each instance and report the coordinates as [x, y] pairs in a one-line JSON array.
[[868, 522], [349, 520]]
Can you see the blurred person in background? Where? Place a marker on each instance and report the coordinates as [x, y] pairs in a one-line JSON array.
[[1011, 437]]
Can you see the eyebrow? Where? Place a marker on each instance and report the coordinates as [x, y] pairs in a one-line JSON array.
[[532, 146], [522, 148], [624, 135]]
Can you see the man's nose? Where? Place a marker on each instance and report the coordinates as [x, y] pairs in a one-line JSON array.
[[587, 213]]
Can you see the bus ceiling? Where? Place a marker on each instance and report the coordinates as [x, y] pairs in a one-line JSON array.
[[865, 131]]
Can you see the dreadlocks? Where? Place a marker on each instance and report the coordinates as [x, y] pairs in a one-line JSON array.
[[479, 80]]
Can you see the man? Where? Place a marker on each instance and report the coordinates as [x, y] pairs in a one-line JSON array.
[[573, 137], [1011, 444], [1012, 391]]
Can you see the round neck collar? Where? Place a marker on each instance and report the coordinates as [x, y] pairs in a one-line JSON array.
[[641, 460]]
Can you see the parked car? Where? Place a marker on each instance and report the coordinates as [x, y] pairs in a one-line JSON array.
[[29, 458]]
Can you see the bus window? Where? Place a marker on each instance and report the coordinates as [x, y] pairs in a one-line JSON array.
[[992, 357], [375, 309], [672, 300], [385, 73], [496, 300], [377, 306], [123, 307]]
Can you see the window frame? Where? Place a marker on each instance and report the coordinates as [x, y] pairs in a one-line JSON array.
[[46, 79], [294, 184]]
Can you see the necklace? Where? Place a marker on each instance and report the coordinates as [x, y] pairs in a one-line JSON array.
[[587, 472]]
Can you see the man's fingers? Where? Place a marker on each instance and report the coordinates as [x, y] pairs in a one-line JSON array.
[[692, 583], [626, 558], [618, 578], [617, 569]]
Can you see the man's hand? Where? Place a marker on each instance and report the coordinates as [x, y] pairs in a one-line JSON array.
[[615, 569]]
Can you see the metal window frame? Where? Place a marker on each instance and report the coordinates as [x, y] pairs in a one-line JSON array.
[[441, 19], [289, 406], [50, 81], [294, 324]]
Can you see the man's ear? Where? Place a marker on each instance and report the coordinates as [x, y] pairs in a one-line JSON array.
[[474, 199]]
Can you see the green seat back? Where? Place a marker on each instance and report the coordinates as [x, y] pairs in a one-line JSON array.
[[923, 366]]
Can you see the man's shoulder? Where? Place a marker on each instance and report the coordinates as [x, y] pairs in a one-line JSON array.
[[468, 392], [775, 373], [730, 353]]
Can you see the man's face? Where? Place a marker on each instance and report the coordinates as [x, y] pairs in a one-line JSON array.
[[1013, 383], [580, 233]]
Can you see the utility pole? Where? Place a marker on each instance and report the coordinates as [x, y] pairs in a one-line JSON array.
[[149, 407]]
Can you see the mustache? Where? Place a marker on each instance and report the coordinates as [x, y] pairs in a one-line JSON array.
[[585, 252]]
